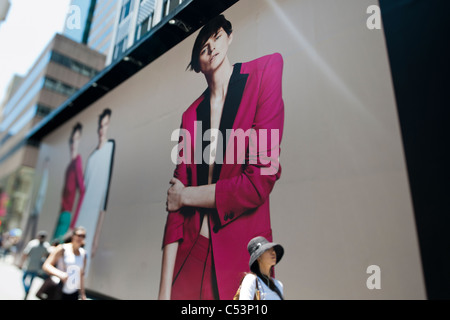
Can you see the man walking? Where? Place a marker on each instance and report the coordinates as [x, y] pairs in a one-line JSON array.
[[33, 257]]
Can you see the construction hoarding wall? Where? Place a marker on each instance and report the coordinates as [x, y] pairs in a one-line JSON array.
[[342, 203]]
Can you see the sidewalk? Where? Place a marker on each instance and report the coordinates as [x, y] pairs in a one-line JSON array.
[[11, 287]]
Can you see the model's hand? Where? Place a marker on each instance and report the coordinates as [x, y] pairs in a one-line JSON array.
[[174, 200]]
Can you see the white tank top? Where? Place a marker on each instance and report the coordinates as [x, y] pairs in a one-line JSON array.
[[73, 265]]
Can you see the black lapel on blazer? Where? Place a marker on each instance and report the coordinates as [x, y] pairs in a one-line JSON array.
[[204, 116], [231, 106], [232, 101]]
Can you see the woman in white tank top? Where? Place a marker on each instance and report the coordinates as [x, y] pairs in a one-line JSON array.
[[67, 262]]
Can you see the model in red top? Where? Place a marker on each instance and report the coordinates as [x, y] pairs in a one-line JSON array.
[[73, 181]]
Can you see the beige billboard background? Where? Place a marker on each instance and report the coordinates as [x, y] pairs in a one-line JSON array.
[[342, 203]]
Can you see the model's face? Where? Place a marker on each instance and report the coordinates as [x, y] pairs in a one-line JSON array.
[[268, 258], [75, 141], [214, 51], [103, 128]]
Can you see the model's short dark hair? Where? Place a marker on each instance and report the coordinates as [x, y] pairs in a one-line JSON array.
[[106, 112], [209, 29], [77, 127]]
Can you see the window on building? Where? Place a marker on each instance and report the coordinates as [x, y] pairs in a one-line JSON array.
[[144, 27], [120, 48], [117, 50], [125, 45], [125, 11], [73, 65], [42, 110], [170, 5], [59, 87]]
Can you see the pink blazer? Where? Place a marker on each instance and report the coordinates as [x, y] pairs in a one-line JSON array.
[[254, 104]]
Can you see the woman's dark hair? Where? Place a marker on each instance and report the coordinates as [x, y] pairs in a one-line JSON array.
[[208, 30], [266, 279], [76, 127]]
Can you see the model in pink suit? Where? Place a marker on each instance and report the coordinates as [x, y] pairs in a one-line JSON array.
[[216, 206]]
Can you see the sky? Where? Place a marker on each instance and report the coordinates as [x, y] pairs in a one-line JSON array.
[[29, 27]]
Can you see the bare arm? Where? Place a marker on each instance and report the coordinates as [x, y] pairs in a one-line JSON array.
[[179, 196], [201, 196], [22, 260], [50, 262], [82, 292], [25, 253], [168, 265]]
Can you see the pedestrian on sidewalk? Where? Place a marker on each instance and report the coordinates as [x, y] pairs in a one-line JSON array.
[[264, 255], [68, 263], [33, 256]]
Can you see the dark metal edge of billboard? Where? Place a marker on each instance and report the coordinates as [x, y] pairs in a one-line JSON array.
[[162, 37]]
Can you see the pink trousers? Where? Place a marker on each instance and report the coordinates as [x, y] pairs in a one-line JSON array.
[[196, 279]]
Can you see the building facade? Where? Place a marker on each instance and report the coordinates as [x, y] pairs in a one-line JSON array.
[[102, 25], [79, 20], [62, 68], [342, 203], [135, 19]]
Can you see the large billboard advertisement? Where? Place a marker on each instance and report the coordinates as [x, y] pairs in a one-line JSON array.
[[284, 126]]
